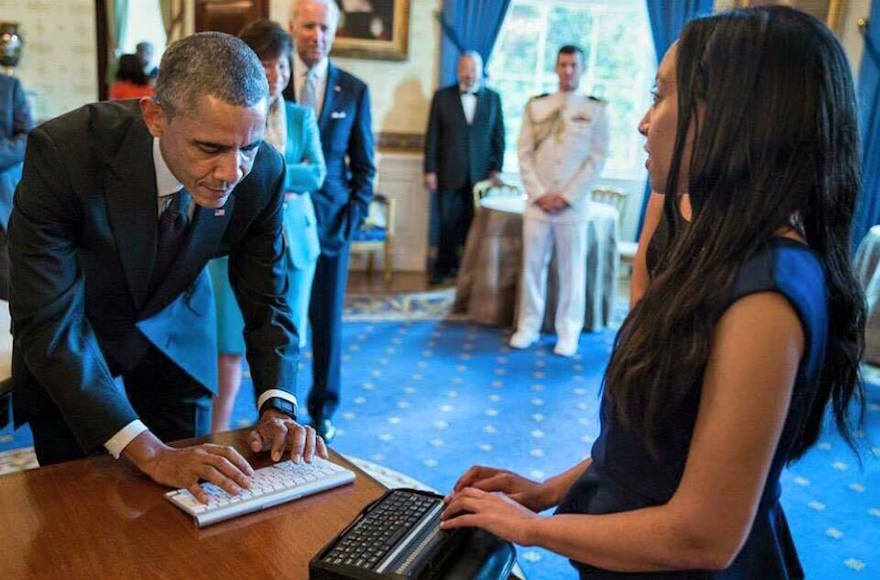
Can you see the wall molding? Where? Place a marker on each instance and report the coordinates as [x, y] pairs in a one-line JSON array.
[[400, 142]]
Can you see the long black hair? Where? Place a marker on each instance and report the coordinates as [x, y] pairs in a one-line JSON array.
[[776, 144]]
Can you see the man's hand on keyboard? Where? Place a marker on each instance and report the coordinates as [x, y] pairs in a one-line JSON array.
[[278, 432], [185, 466]]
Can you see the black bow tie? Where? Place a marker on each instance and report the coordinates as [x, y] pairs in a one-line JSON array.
[[474, 93]]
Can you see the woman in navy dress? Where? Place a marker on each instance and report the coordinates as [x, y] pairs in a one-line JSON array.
[[751, 325], [293, 131]]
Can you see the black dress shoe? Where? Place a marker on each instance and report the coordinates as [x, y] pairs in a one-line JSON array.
[[325, 429]]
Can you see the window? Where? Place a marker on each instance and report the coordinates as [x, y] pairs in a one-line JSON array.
[[620, 67], [143, 23]]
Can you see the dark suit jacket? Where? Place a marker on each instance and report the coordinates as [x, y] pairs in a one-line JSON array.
[[459, 154], [346, 131], [83, 242], [15, 122]]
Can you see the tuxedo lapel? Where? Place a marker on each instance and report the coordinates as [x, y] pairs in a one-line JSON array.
[[201, 243], [132, 207], [481, 110]]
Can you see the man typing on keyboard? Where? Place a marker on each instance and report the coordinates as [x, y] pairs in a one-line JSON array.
[[119, 208]]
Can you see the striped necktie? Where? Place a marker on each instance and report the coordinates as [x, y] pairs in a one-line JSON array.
[[172, 230]]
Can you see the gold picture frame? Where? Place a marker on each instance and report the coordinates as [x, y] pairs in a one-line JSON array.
[[828, 11], [372, 29]]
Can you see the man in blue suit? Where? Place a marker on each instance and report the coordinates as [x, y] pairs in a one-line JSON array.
[[342, 105], [120, 207], [15, 123]]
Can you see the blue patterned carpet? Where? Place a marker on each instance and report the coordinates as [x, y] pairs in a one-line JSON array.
[[430, 398]]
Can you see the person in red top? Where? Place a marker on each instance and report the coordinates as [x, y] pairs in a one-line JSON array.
[[131, 80]]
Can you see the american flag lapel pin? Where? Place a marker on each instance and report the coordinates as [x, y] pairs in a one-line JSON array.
[[220, 212]]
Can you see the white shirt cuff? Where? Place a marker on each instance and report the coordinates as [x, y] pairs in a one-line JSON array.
[[276, 393], [116, 444]]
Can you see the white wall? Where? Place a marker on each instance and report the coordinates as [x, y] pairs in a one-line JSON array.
[[60, 59]]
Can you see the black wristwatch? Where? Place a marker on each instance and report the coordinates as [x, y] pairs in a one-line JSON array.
[[279, 404]]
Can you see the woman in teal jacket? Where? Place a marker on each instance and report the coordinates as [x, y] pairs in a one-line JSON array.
[[292, 130]]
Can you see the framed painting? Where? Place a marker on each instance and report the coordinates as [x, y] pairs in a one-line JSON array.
[[372, 29], [828, 11]]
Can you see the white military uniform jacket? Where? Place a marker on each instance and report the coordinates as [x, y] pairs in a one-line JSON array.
[[563, 144]]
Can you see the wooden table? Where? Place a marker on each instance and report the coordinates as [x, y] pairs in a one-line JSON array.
[[101, 518]]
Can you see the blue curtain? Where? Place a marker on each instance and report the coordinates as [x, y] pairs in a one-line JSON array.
[[868, 205], [466, 25], [668, 17]]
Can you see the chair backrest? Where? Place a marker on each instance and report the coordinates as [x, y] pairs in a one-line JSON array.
[[377, 213], [484, 189], [380, 216], [616, 198]]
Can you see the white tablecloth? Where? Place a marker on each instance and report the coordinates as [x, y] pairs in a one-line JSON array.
[[488, 281], [868, 274]]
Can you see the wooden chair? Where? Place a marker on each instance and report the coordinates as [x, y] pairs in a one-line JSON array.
[[617, 199], [376, 234], [484, 189]]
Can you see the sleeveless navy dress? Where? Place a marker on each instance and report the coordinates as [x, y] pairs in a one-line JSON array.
[[624, 476]]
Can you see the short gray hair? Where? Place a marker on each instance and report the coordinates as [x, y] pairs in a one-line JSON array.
[[332, 8], [209, 64], [476, 56]]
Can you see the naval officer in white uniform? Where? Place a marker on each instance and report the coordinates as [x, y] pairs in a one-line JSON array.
[[562, 148]]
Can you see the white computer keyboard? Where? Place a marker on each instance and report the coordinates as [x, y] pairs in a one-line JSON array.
[[279, 483]]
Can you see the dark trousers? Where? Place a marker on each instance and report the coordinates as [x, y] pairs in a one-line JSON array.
[[4, 266], [456, 215], [168, 401], [325, 318]]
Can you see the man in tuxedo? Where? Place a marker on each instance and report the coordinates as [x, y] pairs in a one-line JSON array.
[[119, 208], [464, 145], [342, 107]]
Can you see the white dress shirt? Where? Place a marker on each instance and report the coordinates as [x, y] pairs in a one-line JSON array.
[[469, 103], [166, 183], [301, 71]]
